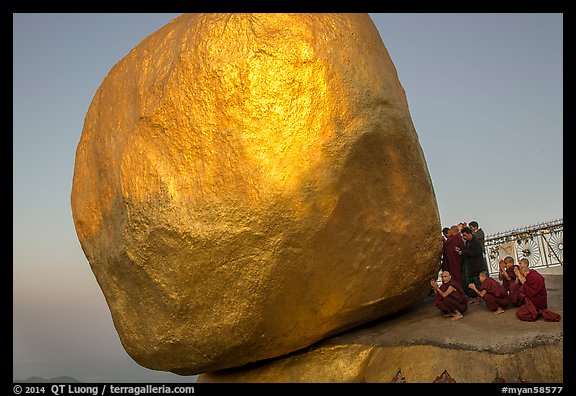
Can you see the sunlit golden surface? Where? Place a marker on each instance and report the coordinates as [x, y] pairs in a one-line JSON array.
[[247, 184]]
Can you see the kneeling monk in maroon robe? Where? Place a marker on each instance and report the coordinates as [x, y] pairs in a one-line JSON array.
[[493, 293], [450, 297], [510, 283], [536, 297]]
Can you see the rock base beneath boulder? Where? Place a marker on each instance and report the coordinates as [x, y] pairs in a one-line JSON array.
[[419, 345], [416, 363]]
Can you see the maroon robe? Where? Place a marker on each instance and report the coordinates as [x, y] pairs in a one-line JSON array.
[[455, 300], [535, 289], [510, 272], [513, 286], [536, 300], [452, 261], [495, 296], [516, 293]]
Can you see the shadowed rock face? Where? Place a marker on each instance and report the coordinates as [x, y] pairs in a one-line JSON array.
[[248, 184]]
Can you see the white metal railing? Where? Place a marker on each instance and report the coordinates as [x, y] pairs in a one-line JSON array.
[[542, 244]]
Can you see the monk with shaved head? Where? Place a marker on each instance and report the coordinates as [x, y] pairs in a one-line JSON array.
[[509, 281], [492, 292], [536, 297], [450, 297]]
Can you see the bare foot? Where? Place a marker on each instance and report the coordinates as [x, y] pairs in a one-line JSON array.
[[449, 315], [457, 317], [473, 301], [499, 311]]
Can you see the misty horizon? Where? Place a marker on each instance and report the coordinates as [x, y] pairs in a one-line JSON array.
[[95, 370]]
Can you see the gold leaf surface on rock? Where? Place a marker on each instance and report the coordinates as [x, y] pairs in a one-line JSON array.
[[247, 184]]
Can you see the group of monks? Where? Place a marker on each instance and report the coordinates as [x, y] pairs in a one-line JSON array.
[[465, 280]]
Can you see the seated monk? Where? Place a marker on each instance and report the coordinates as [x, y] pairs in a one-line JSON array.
[[450, 297], [535, 295], [493, 293], [509, 281]]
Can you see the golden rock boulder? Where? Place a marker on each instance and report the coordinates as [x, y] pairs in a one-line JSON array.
[[248, 184]]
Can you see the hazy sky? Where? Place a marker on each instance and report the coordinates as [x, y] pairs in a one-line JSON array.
[[485, 95]]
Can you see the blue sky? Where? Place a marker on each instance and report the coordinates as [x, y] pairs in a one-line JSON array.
[[486, 97]]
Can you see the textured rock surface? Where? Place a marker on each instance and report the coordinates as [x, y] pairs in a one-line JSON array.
[[417, 363], [248, 184], [421, 344]]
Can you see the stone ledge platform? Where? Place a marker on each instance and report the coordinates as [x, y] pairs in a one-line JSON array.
[[419, 345]]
